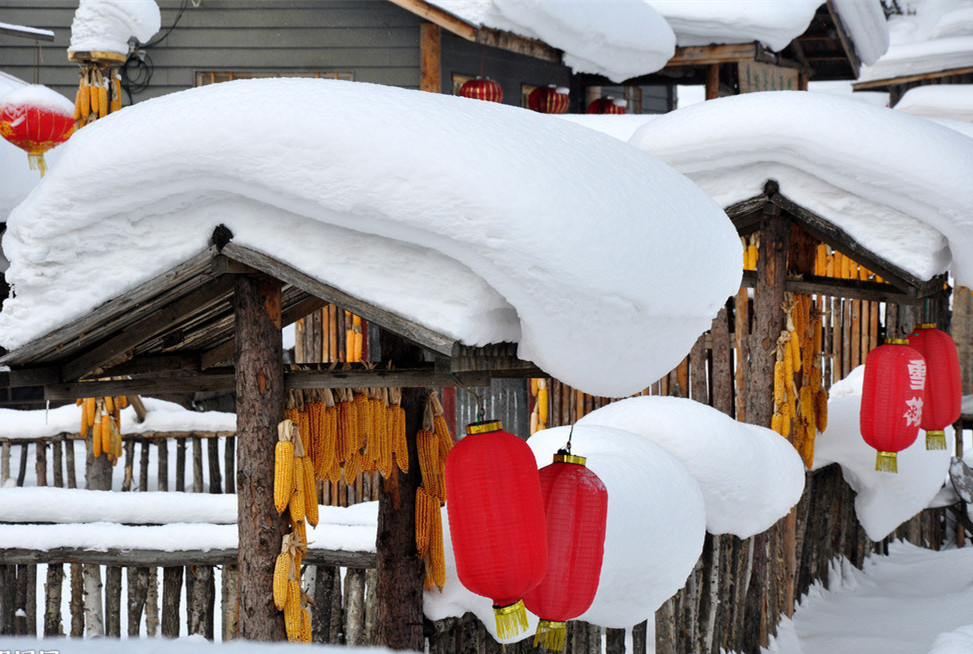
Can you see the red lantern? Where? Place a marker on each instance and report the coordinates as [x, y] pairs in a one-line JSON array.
[[35, 119], [548, 100], [482, 88], [576, 507], [944, 390], [607, 106], [892, 397], [496, 520]]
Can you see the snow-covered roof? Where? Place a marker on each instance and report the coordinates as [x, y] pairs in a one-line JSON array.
[[951, 101], [107, 25], [937, 37], [620, 39], [900, 186], [484, 222]]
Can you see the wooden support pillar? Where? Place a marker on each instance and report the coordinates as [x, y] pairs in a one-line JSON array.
[[430, 38], [260, 406], [400, 570], [713, 82]]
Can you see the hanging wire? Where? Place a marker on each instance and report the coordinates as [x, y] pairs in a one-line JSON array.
[[567, 446], [479, 402]]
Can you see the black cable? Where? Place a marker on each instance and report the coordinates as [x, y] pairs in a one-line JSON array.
[[136, 73], [162, 38]]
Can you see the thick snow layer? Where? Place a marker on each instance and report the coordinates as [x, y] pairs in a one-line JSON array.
[[26, 30], [160, 416], [522, 225], [937, 37], [899, 185], [883, 500], [950, 101], [619, 39], [37, 96], [844, 88], [702, 22], [865, 23], [185, 645], [912, 601], [107, 25], [621, 126], [169, 522], [654, 533], [749, 475]]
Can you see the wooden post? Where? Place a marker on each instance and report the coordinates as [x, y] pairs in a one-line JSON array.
[[152, 604], [40, 465], [69, 461], [354, 607], [213, 456], [162, 478], [400, 570], [4, 462], [77, 600], [58, 461], [230, 465], [171, 592], [198, 464], [429, 54], [113, 601], [181, 465], [138, 588], [129, 466], [713, 82], [52, 607], [260, 407], [230, 603]]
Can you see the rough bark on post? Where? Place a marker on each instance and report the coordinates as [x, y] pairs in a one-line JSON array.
[[400, 570], [201, 620], [94, 611], [113, 601], [4, 462], [198, 464], [40, 465], [260, 406], [138, 588], [355, 607], [162, 478], [152, 604], [230, 602], [58, 461], [326, 618], [144, 467], [77, 601], [52, 607], [171, 592], [69, 462], [129, 466], [181, 465], [213, 459]]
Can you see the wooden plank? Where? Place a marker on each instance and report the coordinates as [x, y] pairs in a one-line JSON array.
[[439, 17], [430, 58], [521, 45], [846, 43], [161, 320], [906, 79], [843, 288], [699, 55], [138, 558], [422, 336], [111, 310]]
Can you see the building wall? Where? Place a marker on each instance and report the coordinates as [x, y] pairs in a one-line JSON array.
[[372, 40]]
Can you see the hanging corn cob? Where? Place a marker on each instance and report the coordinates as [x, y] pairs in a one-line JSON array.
[[284, 465], [433, 442], [99, 93]]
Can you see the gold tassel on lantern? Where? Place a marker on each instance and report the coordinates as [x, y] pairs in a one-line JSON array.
[[511, 619], [550, 635], [886, 462], [935, 440]]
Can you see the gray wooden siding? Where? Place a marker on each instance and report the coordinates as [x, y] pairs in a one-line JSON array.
[[505, 400], [373, 40]]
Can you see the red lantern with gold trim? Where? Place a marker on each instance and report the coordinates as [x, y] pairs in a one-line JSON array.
[[893, 394], [35, 119], [496, 520], [944, 387], [482, 88], [548, 100], [576, 508], [608, 105]]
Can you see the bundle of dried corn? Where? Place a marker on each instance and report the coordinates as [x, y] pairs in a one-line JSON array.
[[102, 416]]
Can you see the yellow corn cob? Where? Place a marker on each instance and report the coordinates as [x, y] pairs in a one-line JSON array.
[[343, 443], [85, 98], [361, 408], [533, 386], [542, 405], [533, 421], [292, 611], [776, 422], [115, 441], [315, 420], [751, 257], [334, 472], [807, 404], [93, 99], [106, 433], [780, 394], [310, 494], [399, 445], [423, 502], [109, 405], [807, 356], [77, 104], [807, 449], [437, 557], [815, 380], [305, 626], [795, 351], [443, 438], [788, 359], [102, 100], [282, 573], [283, 474], [821, 409], [816, 336], [329, 436], [428, 447], [96, 439], [352, 467], [89, 409], [116, 100], [787, 413], [296, 503]]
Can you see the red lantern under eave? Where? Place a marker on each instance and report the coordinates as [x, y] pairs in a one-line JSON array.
[[893, 394], [496, 520], [576, 509], [548, 100], [944, 392], [35, 119], [607, 106], [482, 88]]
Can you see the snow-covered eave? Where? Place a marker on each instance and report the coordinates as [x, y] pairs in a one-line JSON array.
[[480, 33], [26, 32], [190, 304], [885, 83], [899, 285]]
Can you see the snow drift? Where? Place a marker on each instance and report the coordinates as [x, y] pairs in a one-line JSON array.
[[483, 222], [749, 475]]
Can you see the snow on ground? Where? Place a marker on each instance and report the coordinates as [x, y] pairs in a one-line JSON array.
[[750, 476], [387, 193], [654, 533], [844, 88], [950, 101], [192, 645], [912, 601], [899, 185], [937, 37], [621, 126], [620, 39], [106, 25], [883, 500]]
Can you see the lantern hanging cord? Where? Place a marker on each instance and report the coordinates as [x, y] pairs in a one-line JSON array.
[[567, 446], [479, 402]]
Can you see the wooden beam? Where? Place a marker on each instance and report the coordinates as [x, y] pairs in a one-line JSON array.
[[439, 17], [29, 377], [418, 334], [430, 58], [827, 232], [153, 365], [142, 386], [78, 330], [137, 333], [701, 55], [521, 45], [845, 288], [26, 32], [746, 207], [918, 77], [163, 558], [139, 437]]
